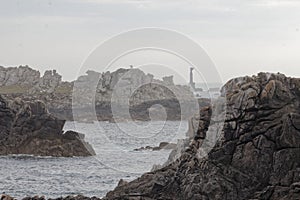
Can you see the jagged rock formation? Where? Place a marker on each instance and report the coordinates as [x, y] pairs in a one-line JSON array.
[[22, 75], [131, 90], [78, 197], [116, 88], [162, 145], [28, 128], [257, 155], [47, 83], [29, 79], [124, 84]]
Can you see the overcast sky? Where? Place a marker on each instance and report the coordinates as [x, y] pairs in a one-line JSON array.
[[242, 37]]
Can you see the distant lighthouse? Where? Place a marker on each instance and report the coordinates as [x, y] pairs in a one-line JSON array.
[[192, 84]]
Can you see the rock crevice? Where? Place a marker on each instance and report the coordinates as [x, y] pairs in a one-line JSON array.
[[256, 156], [28, 128]]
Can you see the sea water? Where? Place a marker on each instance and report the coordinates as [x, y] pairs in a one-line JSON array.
[[114, 144]]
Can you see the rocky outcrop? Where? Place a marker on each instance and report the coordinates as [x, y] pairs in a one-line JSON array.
[[123, 85], [22, 75], [6, 197], [255, 157], [27, 81], [47, 83], [127, 94], [78, 197], [162, 145], [28, 128], [125, 89]]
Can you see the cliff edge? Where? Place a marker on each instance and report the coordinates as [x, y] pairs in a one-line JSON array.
[[257, 155]]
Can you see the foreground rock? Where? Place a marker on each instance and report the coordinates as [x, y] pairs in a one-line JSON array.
[[28, 128], [257, 156]]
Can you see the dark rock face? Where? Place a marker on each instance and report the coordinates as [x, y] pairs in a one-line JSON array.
[[256, 157], [28, 128], [162, 145], [78, 197]]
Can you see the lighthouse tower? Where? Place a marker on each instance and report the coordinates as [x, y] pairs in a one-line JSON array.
[[192, 83]]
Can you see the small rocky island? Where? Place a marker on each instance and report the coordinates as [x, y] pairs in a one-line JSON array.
[[28, 128]]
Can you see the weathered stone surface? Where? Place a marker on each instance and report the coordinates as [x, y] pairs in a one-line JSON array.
[[78, 197], [162, 145], [28, 128], [123, 85], [48, 83], [30, 81], [22, 75], [116, 88], [256, 157]]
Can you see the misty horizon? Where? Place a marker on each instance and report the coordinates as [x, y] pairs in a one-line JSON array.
[[241, 37]]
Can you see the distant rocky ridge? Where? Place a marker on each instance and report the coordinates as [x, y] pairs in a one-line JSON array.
[[116, 89], [28, 79], [129, 84], [22, 75], [28, 128]]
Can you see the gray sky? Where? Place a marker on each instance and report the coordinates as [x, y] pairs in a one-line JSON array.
[[242, 37]]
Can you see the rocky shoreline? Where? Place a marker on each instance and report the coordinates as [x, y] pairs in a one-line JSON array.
[[256, 155]]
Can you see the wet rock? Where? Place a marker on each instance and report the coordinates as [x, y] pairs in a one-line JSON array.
[[78, 197], [35, 198], [6, 197], [162, 145]]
